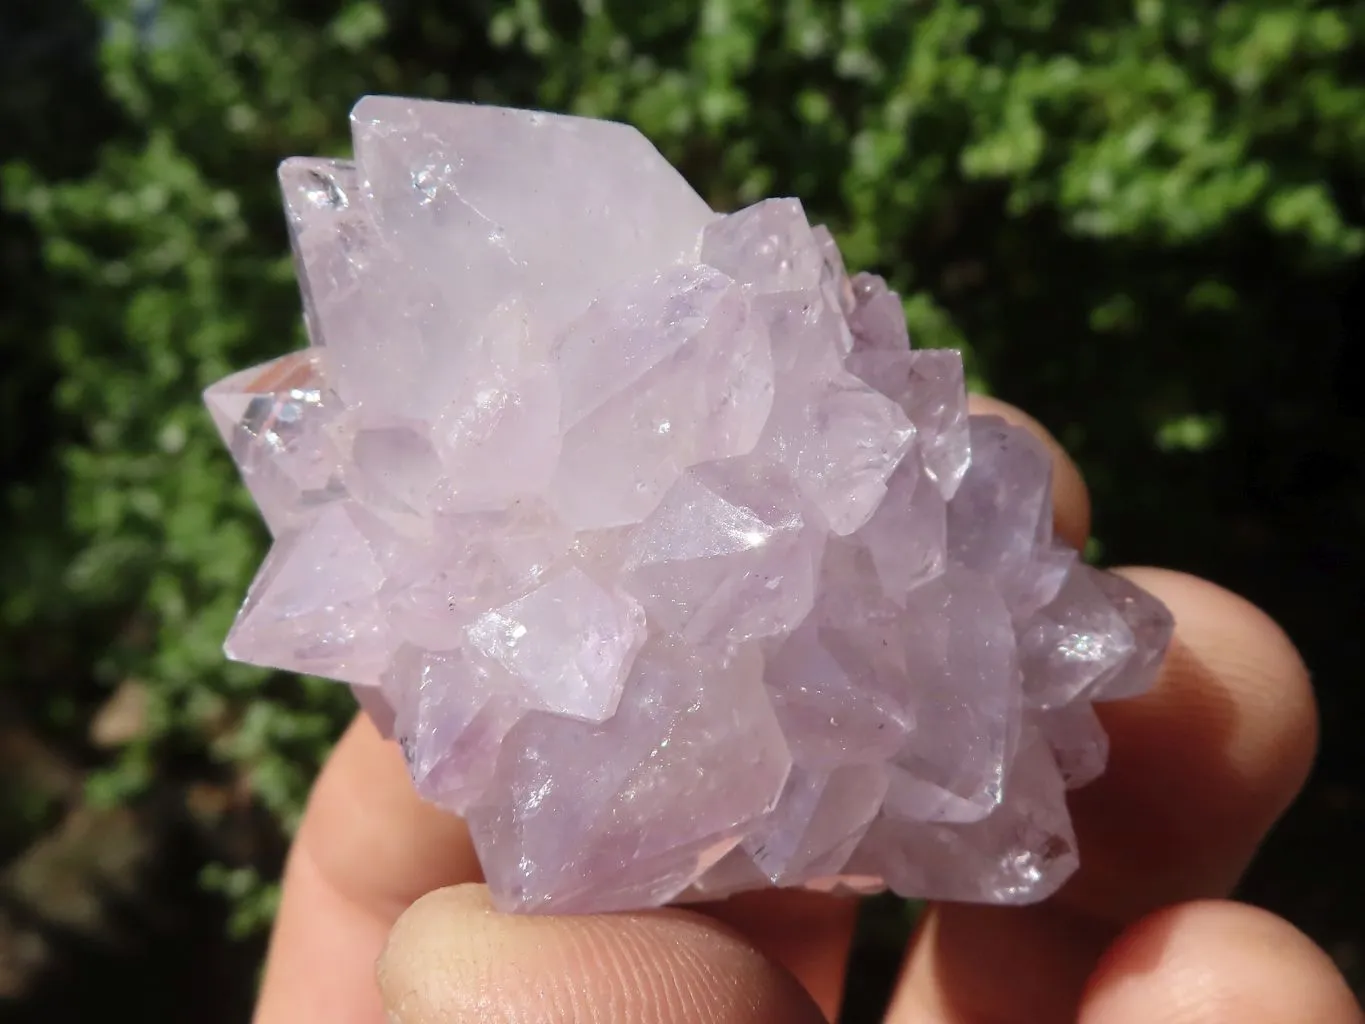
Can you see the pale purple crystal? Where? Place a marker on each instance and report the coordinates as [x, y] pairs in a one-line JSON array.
[[877, 320], [667, 561], [274, 420]]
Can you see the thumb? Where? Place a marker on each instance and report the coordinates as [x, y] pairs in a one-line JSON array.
[[453, 957]]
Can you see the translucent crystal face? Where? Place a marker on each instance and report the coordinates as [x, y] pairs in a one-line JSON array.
[[666, 559]]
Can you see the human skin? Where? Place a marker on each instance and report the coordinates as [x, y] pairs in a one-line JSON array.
[[384, 919]]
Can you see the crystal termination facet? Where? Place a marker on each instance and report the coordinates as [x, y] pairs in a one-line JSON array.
[[671, 565]]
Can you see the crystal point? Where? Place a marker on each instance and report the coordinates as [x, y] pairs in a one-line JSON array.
[[877, 320], [768, 247], [650, 541], [632, 811], [274, 420], [314, 605], [569, 641]]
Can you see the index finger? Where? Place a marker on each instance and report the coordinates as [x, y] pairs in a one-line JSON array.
[[368, 847]]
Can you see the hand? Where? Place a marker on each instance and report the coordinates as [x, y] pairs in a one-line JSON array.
[[1200, 769]]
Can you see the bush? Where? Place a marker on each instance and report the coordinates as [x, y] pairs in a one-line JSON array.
[[1139, 219]]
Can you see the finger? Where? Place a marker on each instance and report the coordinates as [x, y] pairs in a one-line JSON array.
[[367, 848], [1199, 770], [451, 957], [1201, 767], [1216, 963], [1245, 753], [810, 934], [1070, 498]]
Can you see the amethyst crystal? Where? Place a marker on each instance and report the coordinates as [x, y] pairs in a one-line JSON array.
[[672, 567]]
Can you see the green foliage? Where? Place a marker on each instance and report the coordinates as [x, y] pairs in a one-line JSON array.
[[1116, 207], [253, 900]]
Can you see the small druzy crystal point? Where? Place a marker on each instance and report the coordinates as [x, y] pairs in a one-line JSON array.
[[667, 561]]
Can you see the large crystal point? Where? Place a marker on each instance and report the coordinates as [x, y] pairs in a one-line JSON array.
[[649, 540], [274, 420], [465, 207]]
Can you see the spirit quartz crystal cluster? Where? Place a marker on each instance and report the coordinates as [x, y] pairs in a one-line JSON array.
[[670, 563]]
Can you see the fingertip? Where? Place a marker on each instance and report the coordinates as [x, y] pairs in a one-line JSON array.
[[1213, 961], [1276, 742], [367, 847], [808, 933], [1202, 766], [452, 956], [371, 834]]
